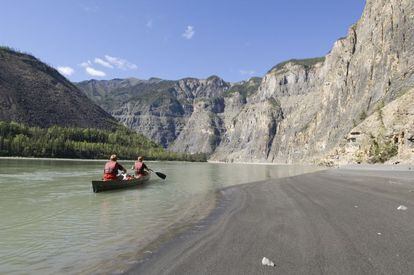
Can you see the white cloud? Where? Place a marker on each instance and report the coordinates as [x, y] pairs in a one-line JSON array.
[[189, 32], [149, 24], [93, 72], [103, 62], [66, 71], [247, 72], [107, 62], [120, 63], [86, 64]]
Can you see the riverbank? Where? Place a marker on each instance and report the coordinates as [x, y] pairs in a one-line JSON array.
[[78, 160], [338, 221], [58, 225]]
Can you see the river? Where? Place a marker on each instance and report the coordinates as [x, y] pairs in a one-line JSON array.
[[52, 222]]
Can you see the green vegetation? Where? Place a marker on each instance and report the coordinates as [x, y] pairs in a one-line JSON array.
[[354, 123], [403, 91], [309, 62], [362, 116], [9, 50], [245, 89], [20, 140], [274, 102], [378, 109], [145, 93], [381, 149], [6, 48], [380, 105]]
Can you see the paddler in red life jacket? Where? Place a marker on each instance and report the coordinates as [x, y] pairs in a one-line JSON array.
[[140, 168], [111, 169]]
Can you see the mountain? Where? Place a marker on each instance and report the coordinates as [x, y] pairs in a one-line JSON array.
[[300, 111], [322, 101], [34, 93], [157, 108]]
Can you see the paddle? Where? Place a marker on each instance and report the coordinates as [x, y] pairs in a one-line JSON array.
[[159, 174]]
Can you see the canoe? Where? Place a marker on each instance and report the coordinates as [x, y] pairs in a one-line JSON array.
[[100, 185]]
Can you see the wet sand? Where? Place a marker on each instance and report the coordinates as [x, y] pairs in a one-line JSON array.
[[338, 221]]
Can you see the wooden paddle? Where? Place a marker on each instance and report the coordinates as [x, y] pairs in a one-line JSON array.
[[159, 174]]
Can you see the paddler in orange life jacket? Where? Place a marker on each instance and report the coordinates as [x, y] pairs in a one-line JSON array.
[[140, 168], [111, 168]]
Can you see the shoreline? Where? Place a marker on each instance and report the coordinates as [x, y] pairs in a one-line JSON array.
[[170, 239], [184, 229], [354, 166], [63, 159], [378, 167], [151, 245], [234, 216], [86, 160], [351, 166], [177, 231]]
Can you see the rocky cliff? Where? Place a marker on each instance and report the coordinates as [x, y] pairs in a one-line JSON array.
[[299, 112], [32, 92], [385, 136], [160, 109], [321, 102]]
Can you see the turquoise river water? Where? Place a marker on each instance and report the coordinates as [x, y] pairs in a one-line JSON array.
[[51, 221]]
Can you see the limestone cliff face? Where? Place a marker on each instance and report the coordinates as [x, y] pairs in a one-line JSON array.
[[322, 102], [214, 118], [386, 135], [299, 112], [283, 105]]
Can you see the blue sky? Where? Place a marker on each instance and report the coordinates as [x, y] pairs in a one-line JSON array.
[[172, 39]]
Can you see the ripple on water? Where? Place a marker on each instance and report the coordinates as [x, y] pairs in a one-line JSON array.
[[53, 223]]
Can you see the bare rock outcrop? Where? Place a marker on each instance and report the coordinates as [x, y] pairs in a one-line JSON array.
[[157, 108], [322, 102], [300, 111], [385, 136]]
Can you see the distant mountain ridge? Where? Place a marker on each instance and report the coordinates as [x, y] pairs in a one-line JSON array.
[[157, 108], [36, 94], [300, 111]]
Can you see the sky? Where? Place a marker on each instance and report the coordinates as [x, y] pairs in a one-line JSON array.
[[173, 39]]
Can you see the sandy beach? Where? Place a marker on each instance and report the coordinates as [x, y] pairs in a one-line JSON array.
[[338, 221]]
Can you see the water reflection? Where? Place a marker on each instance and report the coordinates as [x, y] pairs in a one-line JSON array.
[[52, 222]]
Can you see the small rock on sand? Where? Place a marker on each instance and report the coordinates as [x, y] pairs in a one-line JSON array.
[[266, 261], [402, 207]]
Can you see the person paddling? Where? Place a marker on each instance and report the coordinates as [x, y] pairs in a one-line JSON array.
[[111, 168], [140, 168]]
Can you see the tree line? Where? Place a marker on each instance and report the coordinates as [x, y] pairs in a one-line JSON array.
[[17, 139]]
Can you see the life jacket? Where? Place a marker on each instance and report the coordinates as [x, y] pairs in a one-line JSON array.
[[139, 168], [110, 170]]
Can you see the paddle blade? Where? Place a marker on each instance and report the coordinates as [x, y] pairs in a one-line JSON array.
[[161, 175]]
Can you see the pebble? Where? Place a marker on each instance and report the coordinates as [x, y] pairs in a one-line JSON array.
[[266, 261], [402, 207]]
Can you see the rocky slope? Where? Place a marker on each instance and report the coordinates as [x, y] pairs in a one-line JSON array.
[[386, 135], [31, 92], [160, 109], [322, 102], [299, 112]]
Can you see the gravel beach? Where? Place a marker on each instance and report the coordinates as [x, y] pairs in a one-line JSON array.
[[338, 221]]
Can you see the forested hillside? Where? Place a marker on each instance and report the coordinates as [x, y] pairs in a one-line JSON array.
[[62, 142]]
